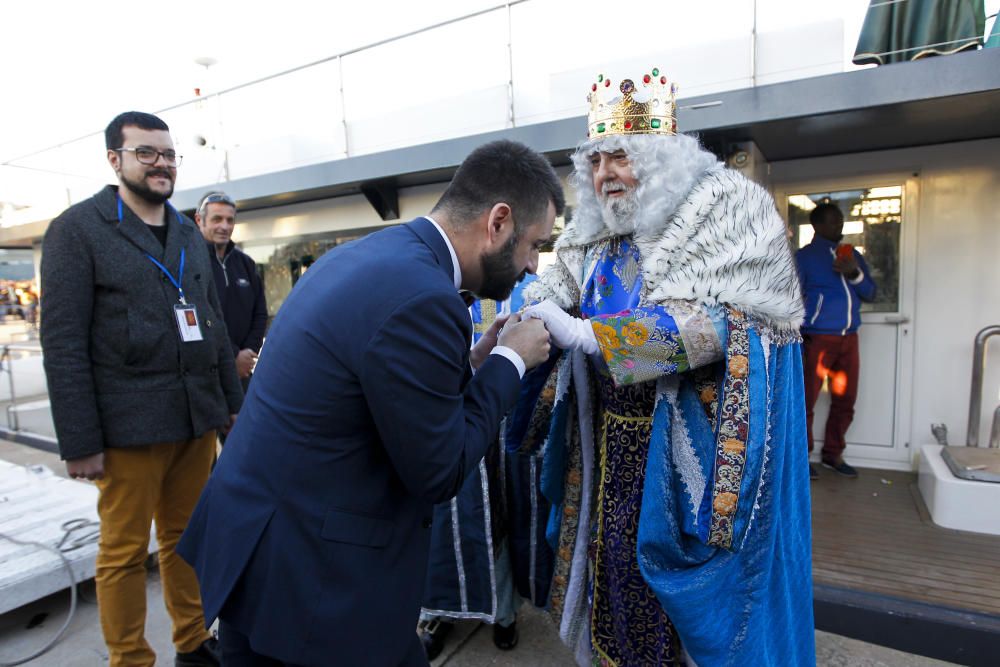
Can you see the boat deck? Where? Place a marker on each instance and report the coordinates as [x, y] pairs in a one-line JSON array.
[[873, 534]]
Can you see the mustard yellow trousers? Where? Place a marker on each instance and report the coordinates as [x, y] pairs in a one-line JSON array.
[[158, 482]]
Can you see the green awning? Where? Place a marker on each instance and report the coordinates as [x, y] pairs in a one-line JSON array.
[[901, 30], [993, 41]]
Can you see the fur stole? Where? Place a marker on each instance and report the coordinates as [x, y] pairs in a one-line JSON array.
[[725, 244]]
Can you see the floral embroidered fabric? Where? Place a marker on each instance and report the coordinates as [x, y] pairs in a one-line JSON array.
[[628, 625], [638, 344], [734, 426], [642, 342]]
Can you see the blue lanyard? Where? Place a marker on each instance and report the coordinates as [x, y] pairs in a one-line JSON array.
[[180, 273]]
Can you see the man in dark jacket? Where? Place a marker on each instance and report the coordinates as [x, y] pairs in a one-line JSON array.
[[835, 280], [311, 538], [140, 376], [240, 289]]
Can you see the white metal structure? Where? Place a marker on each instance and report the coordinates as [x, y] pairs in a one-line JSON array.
[[38, 506]]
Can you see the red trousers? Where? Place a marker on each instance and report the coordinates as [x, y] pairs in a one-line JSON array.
[[834, 358]]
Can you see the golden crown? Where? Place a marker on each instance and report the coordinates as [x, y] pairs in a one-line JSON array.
[[630, 108]]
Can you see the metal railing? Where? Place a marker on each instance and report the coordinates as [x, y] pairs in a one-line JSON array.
[[976, 394], [13, 430], [338, 59], [995, 429], [222, 149]]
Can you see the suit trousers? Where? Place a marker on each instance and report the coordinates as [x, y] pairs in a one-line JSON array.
[[140, 484], [834, 358]]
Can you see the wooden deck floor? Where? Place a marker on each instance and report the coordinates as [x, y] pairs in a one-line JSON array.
[[877, 537]]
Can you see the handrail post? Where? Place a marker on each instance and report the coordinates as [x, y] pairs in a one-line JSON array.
[[976, 393], [12, 408], [995, 430]]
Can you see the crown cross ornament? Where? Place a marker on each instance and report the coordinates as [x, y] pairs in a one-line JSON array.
[[646, 107]]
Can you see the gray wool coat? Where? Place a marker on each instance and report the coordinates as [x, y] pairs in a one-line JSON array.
[[118, 374]]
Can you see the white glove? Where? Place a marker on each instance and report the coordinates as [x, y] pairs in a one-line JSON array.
[[568, 332]]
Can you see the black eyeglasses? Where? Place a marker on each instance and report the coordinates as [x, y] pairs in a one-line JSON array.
[[147, 155]]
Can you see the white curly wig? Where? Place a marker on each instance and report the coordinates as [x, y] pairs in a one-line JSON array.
[[666, 168]]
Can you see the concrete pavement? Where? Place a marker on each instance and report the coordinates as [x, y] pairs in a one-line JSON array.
[[471, 645]]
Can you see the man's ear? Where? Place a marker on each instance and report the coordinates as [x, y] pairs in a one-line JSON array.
[[114, 159], [197, 219], [499, 224]]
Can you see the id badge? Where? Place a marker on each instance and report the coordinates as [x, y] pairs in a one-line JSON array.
[[187, 323]]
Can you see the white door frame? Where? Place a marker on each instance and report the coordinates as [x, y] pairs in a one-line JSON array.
[[900, 455]]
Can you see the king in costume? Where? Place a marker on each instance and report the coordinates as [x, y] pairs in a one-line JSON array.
[[666, 441]]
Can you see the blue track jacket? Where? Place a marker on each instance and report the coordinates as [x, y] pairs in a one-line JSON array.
[[833, 303]]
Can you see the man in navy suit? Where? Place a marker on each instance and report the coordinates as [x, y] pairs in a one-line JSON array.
[[311, 538]]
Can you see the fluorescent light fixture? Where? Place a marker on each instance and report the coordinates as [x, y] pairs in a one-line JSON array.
[[890, 191], [803, 202]]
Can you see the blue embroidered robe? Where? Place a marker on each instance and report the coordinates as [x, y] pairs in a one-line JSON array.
[[678, 455], [466, 532]]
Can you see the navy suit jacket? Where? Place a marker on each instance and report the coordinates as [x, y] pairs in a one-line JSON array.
[[312, 534]]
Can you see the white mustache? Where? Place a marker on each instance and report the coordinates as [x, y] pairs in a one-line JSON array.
[[607, 187]]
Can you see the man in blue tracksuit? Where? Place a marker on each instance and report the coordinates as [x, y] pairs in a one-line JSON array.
[[834, 283]]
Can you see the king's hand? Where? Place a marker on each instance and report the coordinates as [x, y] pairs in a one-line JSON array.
[[568, 332]]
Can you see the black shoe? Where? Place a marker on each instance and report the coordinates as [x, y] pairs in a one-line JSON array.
[[841, 467], [206, 655], [432, 636], [505, 638], [813, 473]]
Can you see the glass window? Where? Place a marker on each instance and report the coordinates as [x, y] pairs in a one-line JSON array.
[[872, 219], [282, 262]]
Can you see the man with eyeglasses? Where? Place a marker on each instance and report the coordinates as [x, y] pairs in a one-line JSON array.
[[240, 289], [140, 377]]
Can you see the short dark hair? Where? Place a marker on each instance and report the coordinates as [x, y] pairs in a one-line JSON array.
[[113, 138], [819, 213], [503, 171]]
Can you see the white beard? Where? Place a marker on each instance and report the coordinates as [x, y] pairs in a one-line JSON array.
[[620, 213], [666, 169]]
